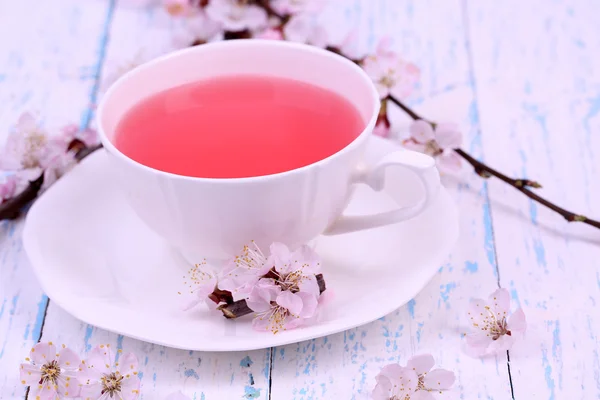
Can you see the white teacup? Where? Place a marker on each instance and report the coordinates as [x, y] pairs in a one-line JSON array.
[[214, 218]]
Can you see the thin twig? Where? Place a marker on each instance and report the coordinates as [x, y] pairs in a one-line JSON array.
[[521, 185]]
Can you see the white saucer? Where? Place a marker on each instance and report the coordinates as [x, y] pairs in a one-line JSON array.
[[99, 262]]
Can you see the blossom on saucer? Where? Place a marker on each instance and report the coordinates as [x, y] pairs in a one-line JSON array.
[[50, 374], [8, 187], [303, 28], [395, 383], [236, 15], [101, 378], [279, 310], [295, 271], [391, 74], [439, 142], [202, 282], [87, 136], [493, 329], [298, 6], [243, 271]]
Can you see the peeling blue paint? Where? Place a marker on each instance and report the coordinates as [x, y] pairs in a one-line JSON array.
[[540, 253], [470, 267], [251, 392], [89, 330], [36, 332], [246, 362], [411, 308], [189, 373], [548, 375]]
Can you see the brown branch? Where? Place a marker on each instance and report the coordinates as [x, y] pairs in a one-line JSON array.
[[521, 185], [11, 208]]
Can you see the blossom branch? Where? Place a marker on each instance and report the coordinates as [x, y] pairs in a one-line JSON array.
[[11, 208], [521, 185]]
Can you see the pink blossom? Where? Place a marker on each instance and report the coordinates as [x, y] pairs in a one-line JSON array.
[[493, 329], [242, 272], [303, 28], [381, 130], [416, 381], [50, 374], [236, 15], [391, 75], [202, 282], [8, 188], [103, 378], [270, 34], [437, 142], [26, 146], [57, 163], [279, 310], [395, 382], [349, 46], [297, 270], [298, 6]]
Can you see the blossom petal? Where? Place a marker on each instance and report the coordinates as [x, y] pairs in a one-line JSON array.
[[382, 390], [381, 130], [517, 321], [45, 391], [449, 161], [421, 131], [448, 136], [478, 342], [280, 258], [68, 387], [262, 295], [477, 313], [261, 323], [68, 359], [421, 363], [309, 305], [309, 285], [130, 387], [30, 374], [503, 343], [499, 302], [290, 301], [91, 390], [43, 353], [439, 379], [422, 395], [390, 371], [128, 364], [307, 259], [98, 363]]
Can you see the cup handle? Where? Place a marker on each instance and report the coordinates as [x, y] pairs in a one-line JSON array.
[[422, 165]]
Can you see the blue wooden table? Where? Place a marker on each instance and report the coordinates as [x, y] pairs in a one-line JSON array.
[[522, 79]]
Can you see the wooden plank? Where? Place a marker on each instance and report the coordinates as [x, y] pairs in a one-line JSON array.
[[137, 35], [344, 366], [48, 58], [538, 88]]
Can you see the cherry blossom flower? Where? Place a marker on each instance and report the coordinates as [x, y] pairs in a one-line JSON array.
[[303, 28], [493, 329], [349, 46], [26, 146], [270, 34], [237, 15], [391, 75], [437, 142], [395, 383], [298, 6], [87, 136], [279, 310], [290, 298], [243, 272], [416, 381], [8, 188], [102, 379], [50, 374], [202, 282], [430, 380]]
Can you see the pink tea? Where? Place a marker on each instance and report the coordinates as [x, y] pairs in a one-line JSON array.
[[237, 126]]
